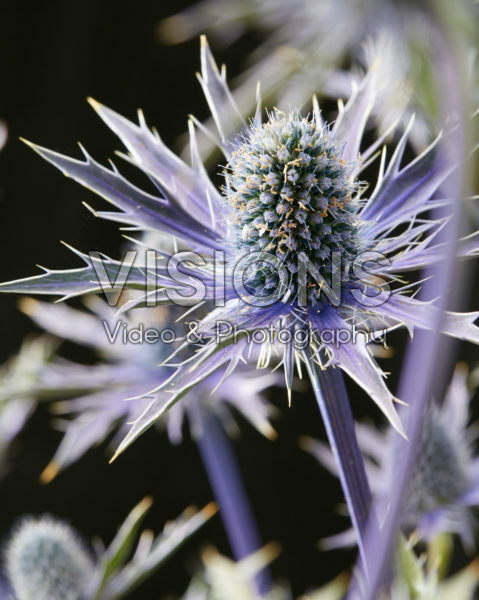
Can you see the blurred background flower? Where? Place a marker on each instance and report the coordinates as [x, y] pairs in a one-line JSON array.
[[444, 487], [47, 559], [100, 395], [305, 47]]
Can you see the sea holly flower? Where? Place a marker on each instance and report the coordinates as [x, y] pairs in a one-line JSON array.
[[444, 483], [129, 366], [46, 558], [294, 244]]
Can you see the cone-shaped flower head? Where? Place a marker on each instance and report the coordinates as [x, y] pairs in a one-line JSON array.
[[292, 198], [46, 560], [440, 474]]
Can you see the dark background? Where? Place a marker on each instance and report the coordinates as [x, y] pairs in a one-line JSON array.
[[53, 55]]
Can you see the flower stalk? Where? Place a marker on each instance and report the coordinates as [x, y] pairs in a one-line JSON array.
[[333, 402], [428, 355], [229, 490]]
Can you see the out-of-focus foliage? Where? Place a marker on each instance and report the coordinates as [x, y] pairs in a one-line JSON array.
[[418, 575], [222, 578], [123, 566], [3, 133], [18, 378]]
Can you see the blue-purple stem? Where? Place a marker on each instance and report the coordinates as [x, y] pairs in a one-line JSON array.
[[427, 357], [234, 506], [333, 402]]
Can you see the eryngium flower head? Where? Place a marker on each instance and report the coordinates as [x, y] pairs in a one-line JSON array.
[[45, 559], [444, 482], [396, 225], [440, 475], [292, 196]]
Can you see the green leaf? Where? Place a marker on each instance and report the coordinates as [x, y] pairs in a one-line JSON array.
[[118, 551], [151, 552]]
